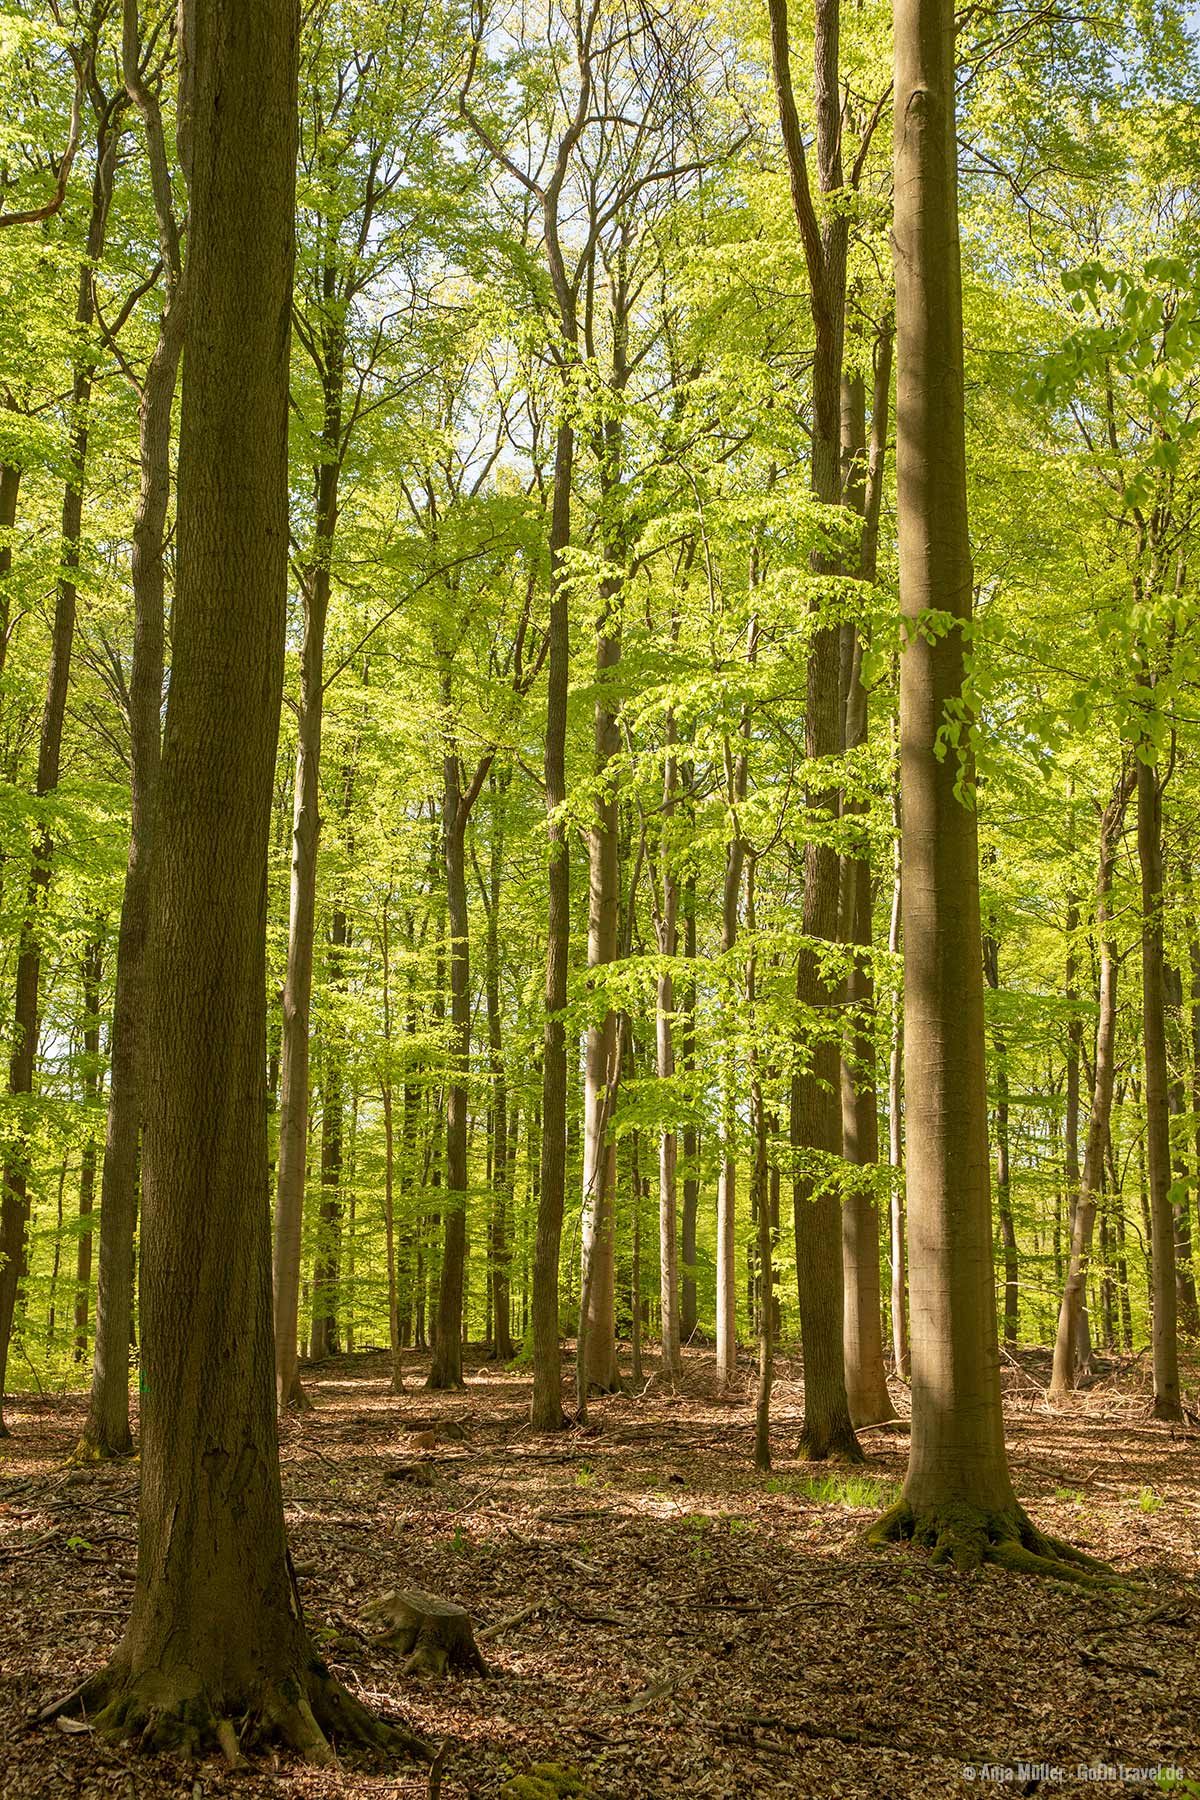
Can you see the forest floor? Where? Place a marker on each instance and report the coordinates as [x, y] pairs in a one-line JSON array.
[[670, 1622]]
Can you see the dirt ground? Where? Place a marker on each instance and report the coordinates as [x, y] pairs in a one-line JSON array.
[[669, 1622]]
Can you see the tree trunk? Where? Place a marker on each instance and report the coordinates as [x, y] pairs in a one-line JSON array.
[[1008, 1237], [691, 1137], [667, 933], [92, 971], [216, 1632], [324, 1335], [1185, 1279], [1158, 1137], [302, 904], [815, 1126], [958, 1495], [597, 1325], [547, 1414], [899, 1283], [14, 1206], [866, 1379], [500, 1278]]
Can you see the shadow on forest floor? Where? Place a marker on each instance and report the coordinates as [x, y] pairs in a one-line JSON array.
[[671, 1623]]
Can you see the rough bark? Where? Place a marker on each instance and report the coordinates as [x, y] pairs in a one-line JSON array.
[[216, 1632]]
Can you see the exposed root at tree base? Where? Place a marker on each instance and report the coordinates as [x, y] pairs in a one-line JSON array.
[[311, 1714], [93, 1450], [836, 1444], [968, 1536]]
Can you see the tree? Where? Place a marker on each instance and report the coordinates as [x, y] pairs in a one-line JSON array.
[[216, 1630], [958, 1495]]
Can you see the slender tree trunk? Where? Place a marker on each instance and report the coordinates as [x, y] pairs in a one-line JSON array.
[[1185, 1280], [324, 1334], [446, 1368], [691, 1137], [727, 1177], [1158, 1137], [92, 972], [302, 902], [899, 1284], [14, 1206], [1008, 1236], [547, 1414], [667, 931], [815, 1126], [10, 486], [866, 1379], [395, 1335], [502, 1343]]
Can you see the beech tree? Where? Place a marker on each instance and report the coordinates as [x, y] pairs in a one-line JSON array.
[[216, 1630]]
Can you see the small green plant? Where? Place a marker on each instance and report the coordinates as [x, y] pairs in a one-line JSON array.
[[460, 1542], [843, 1487], [547, 1781], [1069, 1494], [584, 1476], [1149, 1501], [78, 1543]]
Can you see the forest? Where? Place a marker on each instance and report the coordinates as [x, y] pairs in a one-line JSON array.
[[599, 898]]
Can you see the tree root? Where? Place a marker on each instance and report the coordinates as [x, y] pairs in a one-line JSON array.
[[93, 1450], [310, 1714], [969, 1536], [836, 1444]]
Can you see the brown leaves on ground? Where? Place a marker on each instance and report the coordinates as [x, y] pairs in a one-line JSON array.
[[659, 1619]]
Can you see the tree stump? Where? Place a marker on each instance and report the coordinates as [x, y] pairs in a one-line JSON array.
[[432, 1634]]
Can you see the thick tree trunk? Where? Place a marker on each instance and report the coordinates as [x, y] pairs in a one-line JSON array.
[[958, 1495], [216, 1632], [14, 1206], [1158, 1136]]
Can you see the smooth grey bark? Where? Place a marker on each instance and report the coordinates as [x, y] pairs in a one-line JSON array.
[[1165, 1323]]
